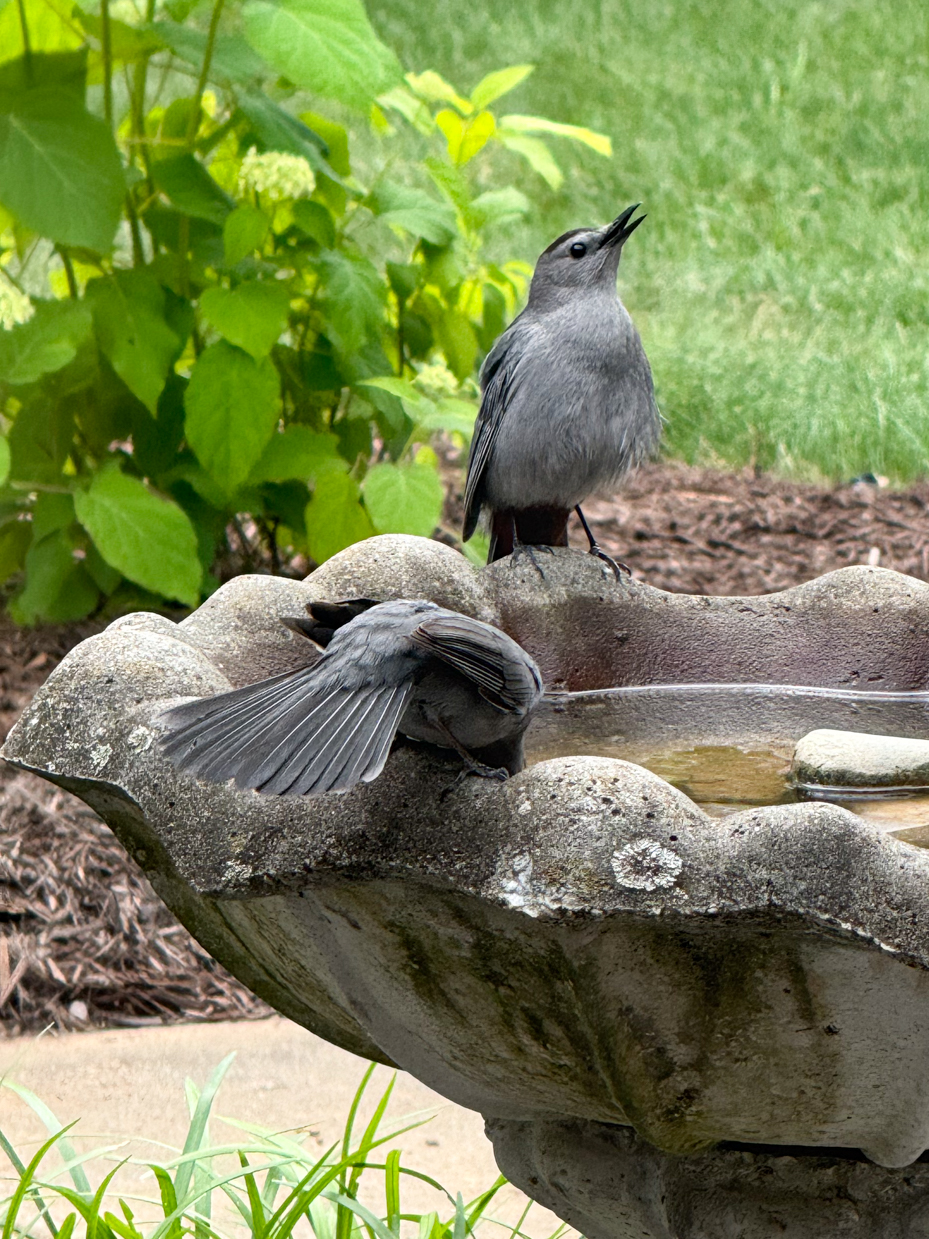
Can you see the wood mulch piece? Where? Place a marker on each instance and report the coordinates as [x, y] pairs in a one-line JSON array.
[[85, 942]]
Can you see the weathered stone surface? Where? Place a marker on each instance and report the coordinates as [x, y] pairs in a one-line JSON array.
[[612, 1185], [828, 758], [580, 943]]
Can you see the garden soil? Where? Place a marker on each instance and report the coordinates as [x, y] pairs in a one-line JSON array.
[[85, 943]]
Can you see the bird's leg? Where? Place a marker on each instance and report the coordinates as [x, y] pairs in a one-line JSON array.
[[520, 549], [596, 549], [471, 766]]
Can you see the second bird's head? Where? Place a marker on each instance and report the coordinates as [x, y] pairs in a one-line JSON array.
[[582, 260]]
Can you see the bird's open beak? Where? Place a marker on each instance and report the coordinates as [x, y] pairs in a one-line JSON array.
[[621, 230]]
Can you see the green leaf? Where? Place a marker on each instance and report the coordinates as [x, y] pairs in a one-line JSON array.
[[336, 138], [58, 587], [405, 498], [129, 317], [50, 513], [499, 83], [49, 25], [232, 61], [277, 130], [355, 298], [40, 441], [65, 70], [415, 211], [465, 138], [233, 404], [4, 460], [334, 517], [60, 171], [298, 452], [185, 180], [326, 46], [434, 89], [313, 219], [450, 180], [127, 43], [15, 537], [146, 537], [244, 231], [416, 406], [497, 206], [458, 342], [449, 414], [538, 124], [251, 316], [46, 343], [536, 153]]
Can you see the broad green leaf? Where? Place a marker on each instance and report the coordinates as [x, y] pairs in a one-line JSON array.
[[465, 137], [536, 153], [335, 137], [244, 231], [15, 537], [46, 343], [48, 22], [298, 452], [434, 89], [127, 43], [146, 537], [415, 405], [334, 517], [449, 414], [538, 124], [232, 61], [129, 317], [50, 513], [497, 206], [185, 180], [277, 130], [459, 343], [450, 180], [325, 46], [314, 219], [65, 70], [58, 587], [40, 440], [355, 298], [60, 171], [4, 459], [499, 83], [251, 316], [415, 211], [405, 498], [233, 404], [410, 108]]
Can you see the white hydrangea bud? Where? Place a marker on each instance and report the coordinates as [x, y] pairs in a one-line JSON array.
[[436, 380], [277, 175], [15, 307]]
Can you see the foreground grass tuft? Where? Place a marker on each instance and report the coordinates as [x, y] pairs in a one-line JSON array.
[[267, 1186], [780, 148]]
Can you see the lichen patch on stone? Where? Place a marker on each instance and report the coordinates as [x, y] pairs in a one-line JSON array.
[[645, 865]]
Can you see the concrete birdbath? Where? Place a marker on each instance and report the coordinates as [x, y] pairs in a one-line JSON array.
[[677, 1025]]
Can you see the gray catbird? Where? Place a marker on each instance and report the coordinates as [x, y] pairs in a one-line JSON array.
[[568, 404], [434, 675]]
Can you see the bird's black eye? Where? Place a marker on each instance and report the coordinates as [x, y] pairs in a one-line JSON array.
[[578, 249]]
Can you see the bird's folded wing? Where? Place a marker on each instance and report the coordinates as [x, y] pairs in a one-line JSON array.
[[497, 393], [502, 671], [295, 733]]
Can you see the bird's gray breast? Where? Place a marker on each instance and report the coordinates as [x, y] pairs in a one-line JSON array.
[[581, 409]]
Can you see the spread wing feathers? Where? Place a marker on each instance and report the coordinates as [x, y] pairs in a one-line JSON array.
[[293, 733], [497, 393], [503, 672]]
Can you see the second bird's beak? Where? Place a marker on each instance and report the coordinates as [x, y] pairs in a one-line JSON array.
[[621, 230]]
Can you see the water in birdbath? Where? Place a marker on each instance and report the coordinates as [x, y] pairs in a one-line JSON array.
[[728, 773]]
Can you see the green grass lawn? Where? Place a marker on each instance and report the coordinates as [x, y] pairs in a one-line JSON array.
[[782, 152]]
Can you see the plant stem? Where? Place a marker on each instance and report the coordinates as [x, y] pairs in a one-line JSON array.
[[107, 47], [193, 123], [69, 271], [138, 253], [27, 46]]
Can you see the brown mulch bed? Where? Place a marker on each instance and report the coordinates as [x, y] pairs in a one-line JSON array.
[[84, 941]]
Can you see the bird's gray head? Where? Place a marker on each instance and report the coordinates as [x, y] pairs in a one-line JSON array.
[[585, 259]]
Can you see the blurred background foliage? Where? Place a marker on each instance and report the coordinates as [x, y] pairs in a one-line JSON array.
[[256, 323], [246, 284]]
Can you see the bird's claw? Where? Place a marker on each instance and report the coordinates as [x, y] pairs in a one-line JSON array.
[[617, 565], [522, 549], [498, 773]]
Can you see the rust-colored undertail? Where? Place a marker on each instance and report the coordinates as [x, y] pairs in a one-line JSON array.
[[532, 527]]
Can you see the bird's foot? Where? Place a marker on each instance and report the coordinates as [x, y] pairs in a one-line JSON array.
[[616, 564], [521, 550], [482, 772]]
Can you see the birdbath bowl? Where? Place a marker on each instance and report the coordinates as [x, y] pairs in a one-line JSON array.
[[676, 1026]]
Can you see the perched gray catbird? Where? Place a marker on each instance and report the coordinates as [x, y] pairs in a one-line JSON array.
[[434, 675], [568, 405]]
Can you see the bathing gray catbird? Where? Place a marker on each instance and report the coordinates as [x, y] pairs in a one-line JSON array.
[[568, 405], [434, 675]]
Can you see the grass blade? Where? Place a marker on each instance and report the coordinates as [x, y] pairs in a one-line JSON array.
[[65, 1148], [197, 1127], [25, 1181]]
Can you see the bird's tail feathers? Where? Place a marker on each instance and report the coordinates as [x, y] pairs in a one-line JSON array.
[[287, 735], [532, 527]]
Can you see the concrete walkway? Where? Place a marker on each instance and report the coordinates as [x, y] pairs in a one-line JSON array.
[[128, 1085]]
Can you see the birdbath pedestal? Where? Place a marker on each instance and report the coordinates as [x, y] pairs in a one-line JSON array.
[[676, 1027]]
